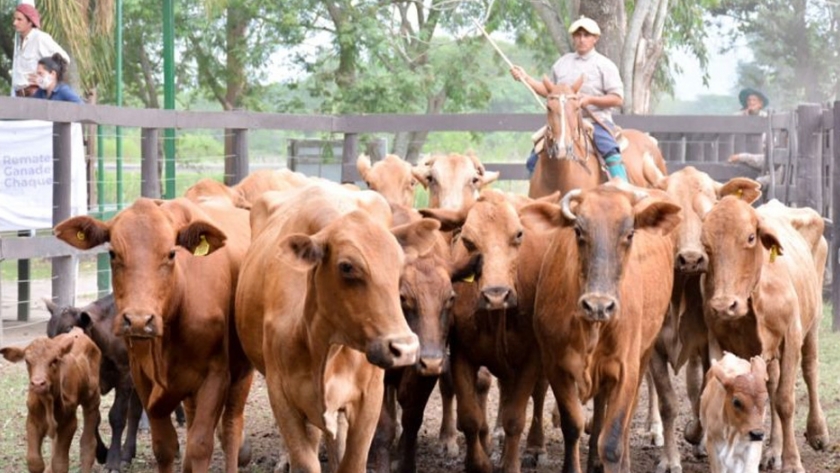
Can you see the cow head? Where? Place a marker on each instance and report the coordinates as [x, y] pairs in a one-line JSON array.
[[355, 266], [149, 243], [62, 319], [745, 385], [696, 192], [603, 222], [43, 358], [454, 181], [489, 240], [391, 177], [739, 243]]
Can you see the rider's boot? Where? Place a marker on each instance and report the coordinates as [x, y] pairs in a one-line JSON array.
[[615, 167]]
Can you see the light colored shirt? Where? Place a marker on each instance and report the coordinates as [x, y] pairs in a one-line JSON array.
[[601, 77], [36, 45]]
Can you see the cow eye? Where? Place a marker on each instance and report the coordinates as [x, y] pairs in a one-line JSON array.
[[737, 404], [517, 239], [431, 179], [172, 254], [578, 233], [468, 244], [630, 236], [751, 238], [346, 270], [367, 183], [476, 180]]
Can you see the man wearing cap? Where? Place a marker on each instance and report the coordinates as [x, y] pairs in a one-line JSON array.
[[602, 89], [753, 102], [34, 44]]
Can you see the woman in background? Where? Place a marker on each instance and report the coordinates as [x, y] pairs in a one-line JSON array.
[[50, 79]]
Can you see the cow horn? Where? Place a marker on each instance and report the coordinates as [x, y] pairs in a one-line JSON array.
[[564, 204]]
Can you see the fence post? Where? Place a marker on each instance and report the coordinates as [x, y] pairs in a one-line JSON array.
[[348, 158], [809, 168], [834, 252], [63, 282], [149, 178], [236, 165]]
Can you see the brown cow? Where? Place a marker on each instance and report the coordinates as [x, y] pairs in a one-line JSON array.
[[264, 180], [392, 177], [493, 327], [683, 336], [763, 298], [97, 320], [63, 376], [174, 270], [733, 405], [318, 308], [210, 189], [602, 296], [454, 180]]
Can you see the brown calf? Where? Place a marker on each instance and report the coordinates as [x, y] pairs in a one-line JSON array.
[[602, 297], [763, 298], [392, 177], [174, 268], [732, 413], [63, 376], [318, 308]]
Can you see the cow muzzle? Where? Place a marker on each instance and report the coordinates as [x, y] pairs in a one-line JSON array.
[[691, 262], [598, 307], [39, 386], [141, 325], [393, 352], [430, 364], [496, 298], [728, 307], [756, 435]]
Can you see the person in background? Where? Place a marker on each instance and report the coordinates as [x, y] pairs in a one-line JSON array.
[[51, 85], [753, 102], [34, 44], [601, 91]]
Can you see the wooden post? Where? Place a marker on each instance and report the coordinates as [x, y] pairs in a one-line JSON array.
[[834, 251], [348, 158], [808, 164], [149, 177], [236, 165], [63, 282]]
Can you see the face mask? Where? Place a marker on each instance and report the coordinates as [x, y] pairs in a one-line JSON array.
[[44, 82]]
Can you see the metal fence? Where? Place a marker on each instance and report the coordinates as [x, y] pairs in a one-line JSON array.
[[799, 143]]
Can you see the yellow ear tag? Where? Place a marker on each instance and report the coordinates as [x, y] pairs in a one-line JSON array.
[[774, 252], [80, 235], [470, 278], [739, 193], [203, 248]]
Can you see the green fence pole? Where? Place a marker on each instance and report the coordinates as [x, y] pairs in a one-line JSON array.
[[103, 263], [169, 94]]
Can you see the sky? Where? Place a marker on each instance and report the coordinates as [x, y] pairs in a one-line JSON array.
[[723, 69]]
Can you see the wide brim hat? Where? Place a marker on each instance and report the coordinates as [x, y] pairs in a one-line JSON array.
[[587, 24], [745, 93]]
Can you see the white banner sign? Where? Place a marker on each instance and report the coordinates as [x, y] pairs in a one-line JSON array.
[[27, 174]]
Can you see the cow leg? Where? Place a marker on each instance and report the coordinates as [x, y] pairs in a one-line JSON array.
[[570, 415], [362, 418], [448, 435], [594, 463], [133, 414], [301, 439], [613, 434], [785, 403], [471, 417], [669, 458], [535, 444], [164, 442], [60, 462], [209, 402], [90, 431], [772, 458], [117, 419], [512, 408], [36, 430], [653, 425], [414, 394], [816, 431], [379, 456], [694, 379], [237, 449]]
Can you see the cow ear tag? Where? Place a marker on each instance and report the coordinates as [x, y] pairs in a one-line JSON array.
[[203, 248], [80, 235], [470, 278], [774, 252], [739, 193]]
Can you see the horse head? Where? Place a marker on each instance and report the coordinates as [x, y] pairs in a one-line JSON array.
[[565, 136]]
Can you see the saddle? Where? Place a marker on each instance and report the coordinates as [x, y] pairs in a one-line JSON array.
[[538, 137]]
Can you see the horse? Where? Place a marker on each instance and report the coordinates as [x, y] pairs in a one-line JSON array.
[[568, 158]]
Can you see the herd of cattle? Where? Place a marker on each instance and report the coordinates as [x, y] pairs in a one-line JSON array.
[[349, 302]]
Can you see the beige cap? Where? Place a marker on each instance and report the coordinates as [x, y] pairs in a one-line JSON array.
[[587, 24]]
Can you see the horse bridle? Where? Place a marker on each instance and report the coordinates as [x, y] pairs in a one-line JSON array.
[[554, 149]]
